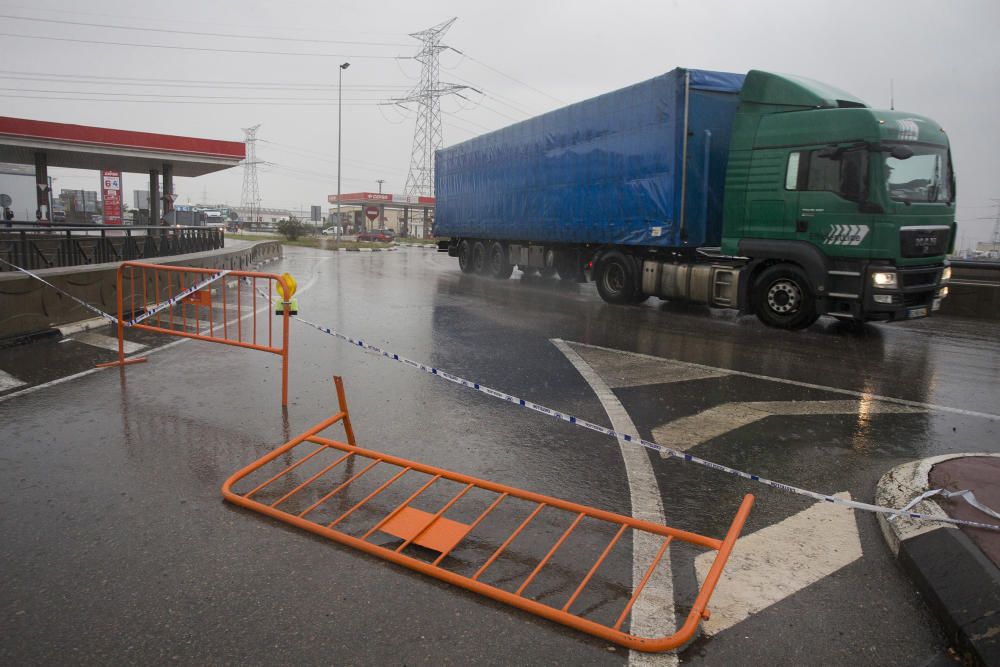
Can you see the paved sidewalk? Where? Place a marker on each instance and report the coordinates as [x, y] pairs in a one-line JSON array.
[[957, 570]]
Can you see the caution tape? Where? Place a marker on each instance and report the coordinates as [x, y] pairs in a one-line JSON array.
[[93, 309], [149, 312], [628, 437], [163, 305]]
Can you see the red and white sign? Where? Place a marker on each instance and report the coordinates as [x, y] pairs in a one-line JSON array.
[[111, 195], [371, 212]]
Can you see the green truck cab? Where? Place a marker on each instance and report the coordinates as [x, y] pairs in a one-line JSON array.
[[838, 208]]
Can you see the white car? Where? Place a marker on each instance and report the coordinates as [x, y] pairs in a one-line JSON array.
[[330, 231]]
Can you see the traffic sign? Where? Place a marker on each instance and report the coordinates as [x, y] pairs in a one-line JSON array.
[[371, 212]]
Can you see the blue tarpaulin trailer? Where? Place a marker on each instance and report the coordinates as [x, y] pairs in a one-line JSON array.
[[607, 170]]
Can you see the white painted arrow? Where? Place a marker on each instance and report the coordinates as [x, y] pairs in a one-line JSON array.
[[688, 432], [780, 560]]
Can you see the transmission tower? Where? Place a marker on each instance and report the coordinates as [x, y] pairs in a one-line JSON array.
[[427, 136], [250, 200]]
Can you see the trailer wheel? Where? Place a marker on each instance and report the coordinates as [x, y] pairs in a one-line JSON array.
[[782, 298], [465, 257], [479, 257], [499, 265], [617, 279]]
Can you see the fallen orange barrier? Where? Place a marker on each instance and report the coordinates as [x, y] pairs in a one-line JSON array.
[[201, 317], [316, 488]]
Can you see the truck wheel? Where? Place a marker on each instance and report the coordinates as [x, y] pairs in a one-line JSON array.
[[499, 266], [465, 257], [782, 298], [617, 280], [479, 257]]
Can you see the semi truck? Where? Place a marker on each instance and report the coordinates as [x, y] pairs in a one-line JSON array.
[[771, 194]]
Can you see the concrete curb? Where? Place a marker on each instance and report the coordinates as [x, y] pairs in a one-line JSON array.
[[961, 585]]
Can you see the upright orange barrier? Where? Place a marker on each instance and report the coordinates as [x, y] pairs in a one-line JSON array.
[[311, 482], [216, 313]]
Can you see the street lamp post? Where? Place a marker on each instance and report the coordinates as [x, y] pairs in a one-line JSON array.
[[340, 83]]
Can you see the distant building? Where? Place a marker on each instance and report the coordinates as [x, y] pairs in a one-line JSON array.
[[17, 181]]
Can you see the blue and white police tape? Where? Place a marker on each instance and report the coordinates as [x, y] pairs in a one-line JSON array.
[[627, 437], [163, 305], [93, 309]]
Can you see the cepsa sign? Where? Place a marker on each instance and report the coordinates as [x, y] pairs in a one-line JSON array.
[[111, 195]]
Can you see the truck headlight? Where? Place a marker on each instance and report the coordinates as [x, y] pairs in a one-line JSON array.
[[884, 279], [946, 274], [942, 293]]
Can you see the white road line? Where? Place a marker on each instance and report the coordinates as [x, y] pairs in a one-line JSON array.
[[809, 385], [633, 371], [8, 381], [780, 560], [107, 342], [653, 612], [688, 432], [91, 371]]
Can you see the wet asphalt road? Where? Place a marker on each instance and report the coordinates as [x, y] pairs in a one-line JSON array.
[[117, 547]]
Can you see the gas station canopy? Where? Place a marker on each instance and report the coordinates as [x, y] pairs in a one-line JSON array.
[[85, 147]]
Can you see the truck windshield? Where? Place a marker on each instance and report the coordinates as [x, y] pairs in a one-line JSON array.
[[925, 177]]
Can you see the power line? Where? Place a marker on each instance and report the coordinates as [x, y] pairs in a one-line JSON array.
[[170, 101], [197, 33], [507, 76], [196, 48], [194, 97], [186, 83]]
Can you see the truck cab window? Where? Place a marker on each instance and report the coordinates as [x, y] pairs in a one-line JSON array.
[[845, 174], [924, 177]]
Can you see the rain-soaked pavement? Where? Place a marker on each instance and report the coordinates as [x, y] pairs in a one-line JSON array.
[[116, 545]]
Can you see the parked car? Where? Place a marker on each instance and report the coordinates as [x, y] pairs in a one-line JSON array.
[[376, 235], [330, 231]]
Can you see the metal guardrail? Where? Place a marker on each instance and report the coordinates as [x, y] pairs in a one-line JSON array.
[[36, 246], [975, 271]]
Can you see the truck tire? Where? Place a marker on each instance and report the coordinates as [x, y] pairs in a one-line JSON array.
[[617, 279], [479, 257], [465, 256], [498, 263], [783, 298]]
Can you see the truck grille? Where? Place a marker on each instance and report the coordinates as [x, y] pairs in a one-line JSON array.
[[919, 242], [917, 299], [920, 278]]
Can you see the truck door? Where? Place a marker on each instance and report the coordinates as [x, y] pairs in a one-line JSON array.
[[830, 183]]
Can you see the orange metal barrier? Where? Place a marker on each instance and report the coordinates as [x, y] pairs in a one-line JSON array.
[[311, 482], [235, 316]]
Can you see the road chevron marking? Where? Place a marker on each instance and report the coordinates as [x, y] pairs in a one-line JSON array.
[[653, 612], [778, 561], [688, 432], [8, 381], [808, 385]]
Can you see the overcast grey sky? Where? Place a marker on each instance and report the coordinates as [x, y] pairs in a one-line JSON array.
[[526, 56]]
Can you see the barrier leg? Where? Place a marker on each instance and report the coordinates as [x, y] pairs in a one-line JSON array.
[[122, 361]]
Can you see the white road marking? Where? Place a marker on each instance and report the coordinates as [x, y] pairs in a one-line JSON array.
[[865, 396], [653, 612], [8, 381], [107, 342], [780, 560], [618, 370], [688, 432]]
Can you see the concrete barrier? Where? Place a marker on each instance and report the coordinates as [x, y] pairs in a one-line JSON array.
[[28, 307]]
